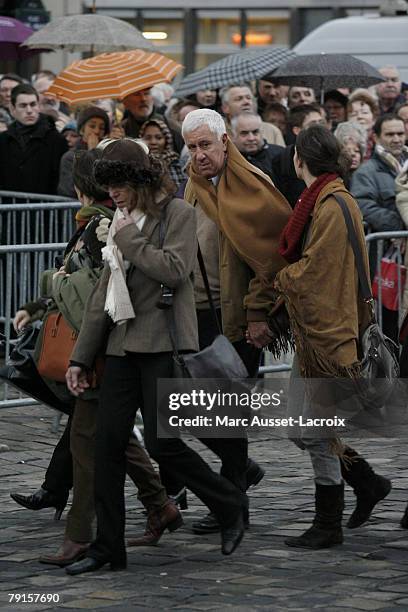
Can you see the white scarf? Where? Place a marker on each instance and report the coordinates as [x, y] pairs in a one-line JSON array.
[[118, 303]]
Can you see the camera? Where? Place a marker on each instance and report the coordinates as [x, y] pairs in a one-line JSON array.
[[166, 298]]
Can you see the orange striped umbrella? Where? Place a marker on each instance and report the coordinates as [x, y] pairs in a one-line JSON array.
[[112, 75]]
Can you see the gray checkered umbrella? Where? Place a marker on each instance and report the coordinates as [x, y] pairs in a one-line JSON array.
[[326, 71], [240, 67]]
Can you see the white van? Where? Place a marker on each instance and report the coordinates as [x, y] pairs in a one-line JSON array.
[[376, 39]]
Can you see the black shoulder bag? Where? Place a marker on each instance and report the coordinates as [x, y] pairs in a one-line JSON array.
[[379, 363], [220, 359]]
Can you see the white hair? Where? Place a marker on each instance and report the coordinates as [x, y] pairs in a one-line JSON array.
[[204, 117], [389, 67], [234, 120], [351, 131], [165, 88], [158, 96]]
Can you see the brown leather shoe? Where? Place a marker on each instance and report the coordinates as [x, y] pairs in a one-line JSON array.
[[158, 520], [68, 553]]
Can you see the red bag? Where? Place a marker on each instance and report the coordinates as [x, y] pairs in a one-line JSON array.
[[391, 291]]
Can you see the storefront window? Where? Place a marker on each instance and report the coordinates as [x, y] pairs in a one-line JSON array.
[[218, 32]]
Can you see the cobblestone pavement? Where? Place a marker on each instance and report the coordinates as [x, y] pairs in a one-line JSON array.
[[187, 572]]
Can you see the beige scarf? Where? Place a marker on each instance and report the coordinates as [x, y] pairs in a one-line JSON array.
[[248, 210], [118, 304]]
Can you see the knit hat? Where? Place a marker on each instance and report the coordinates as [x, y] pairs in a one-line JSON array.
[[89, 113], [126, 161], [71, 125]]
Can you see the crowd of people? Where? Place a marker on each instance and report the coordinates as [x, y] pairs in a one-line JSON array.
[[249, 176]]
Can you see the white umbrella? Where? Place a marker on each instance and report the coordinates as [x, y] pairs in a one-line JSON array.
[[89, 32]]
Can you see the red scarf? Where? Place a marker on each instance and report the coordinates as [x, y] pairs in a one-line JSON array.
[[290, 239]]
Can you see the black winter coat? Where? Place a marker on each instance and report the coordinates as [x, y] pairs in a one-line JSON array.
[[263, 159], [286, 180], [35, 167]]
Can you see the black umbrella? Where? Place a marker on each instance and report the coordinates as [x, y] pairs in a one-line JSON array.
[[240, 67], [326, 71]]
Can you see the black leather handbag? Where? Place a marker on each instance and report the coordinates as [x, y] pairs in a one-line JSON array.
[[379, 363], [21, 372], [220, 360]]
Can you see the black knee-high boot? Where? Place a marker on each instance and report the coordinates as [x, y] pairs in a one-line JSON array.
[[326, 529], [369, 487]]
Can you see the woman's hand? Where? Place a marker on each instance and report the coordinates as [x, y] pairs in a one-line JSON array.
[[102, 230], [259, 334], [21, 319], [77, 380], [61, 272], [92, 141], [125, 220]]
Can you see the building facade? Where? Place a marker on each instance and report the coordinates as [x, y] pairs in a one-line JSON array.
[[194, 32], [197, 32]]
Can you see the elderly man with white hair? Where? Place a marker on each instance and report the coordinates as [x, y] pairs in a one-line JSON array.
[[240, 215], [389, 91]]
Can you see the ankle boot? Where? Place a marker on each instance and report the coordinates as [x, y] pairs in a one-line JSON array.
[[43, 499], [369, 487], [158, 520], [69, 552], [326, 529]]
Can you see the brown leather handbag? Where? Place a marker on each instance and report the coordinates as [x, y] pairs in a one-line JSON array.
[[58, 341]]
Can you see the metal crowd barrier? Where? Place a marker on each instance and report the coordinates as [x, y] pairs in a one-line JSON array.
[[380, 239], [16, 258], [45, 254], [27, 218]]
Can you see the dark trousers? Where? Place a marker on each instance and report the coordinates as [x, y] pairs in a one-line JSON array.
[[59, 474], [390, 324], [233, 452], [130, 382], [58, 477]]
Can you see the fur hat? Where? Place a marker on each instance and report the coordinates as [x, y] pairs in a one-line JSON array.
[[127, 161], [89, 113]]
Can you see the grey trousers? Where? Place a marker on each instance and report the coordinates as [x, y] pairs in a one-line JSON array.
[[326, 465]]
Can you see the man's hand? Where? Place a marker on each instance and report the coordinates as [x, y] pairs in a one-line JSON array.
[[259, 334], [125, 220], [77, 380], [21, 319]]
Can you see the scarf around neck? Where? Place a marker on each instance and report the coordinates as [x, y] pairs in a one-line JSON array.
[[248, 210], [118, 304], [291, 237], [85, 213], [389, 159], [169, 155]]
